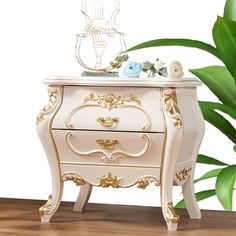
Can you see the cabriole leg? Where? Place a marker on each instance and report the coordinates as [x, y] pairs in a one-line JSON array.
[[190, 199], [174, 135], [44, 129], [83, 197], [48, 210]]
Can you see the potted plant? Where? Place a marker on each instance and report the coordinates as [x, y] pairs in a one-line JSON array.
[[221, 80]]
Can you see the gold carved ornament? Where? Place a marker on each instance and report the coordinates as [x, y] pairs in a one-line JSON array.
[[108, 144], [109, 101], [78, 180], [45, 209], [183, 174], [109, 180], [108, 121], [171, 216], [53, 94], [171, 106]]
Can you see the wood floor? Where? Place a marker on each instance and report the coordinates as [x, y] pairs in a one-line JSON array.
[[20, 217]]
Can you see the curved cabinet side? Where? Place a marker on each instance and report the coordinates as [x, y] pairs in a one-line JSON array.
[[44, 125], [193, 134], [174, 134]]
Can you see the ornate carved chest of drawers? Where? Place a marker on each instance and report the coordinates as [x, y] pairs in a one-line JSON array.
[[121, 133]]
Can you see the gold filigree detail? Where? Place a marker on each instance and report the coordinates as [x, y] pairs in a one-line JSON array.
[[171, 105], [108, 121], [77, 179], [111, 101], [144, 182], [183, 174], [171, 216], [53, 94], [107, 143], [109, 180], [45, 209], [112, 156]]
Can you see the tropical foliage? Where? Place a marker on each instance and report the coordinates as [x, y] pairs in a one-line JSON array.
[[221, 80]]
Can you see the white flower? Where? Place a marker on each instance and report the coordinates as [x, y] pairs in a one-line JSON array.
[[158, 65]]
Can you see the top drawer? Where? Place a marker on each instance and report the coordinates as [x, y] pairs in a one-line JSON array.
[[109, 108]]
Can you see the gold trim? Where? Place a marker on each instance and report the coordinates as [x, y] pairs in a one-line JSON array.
[[53, 95], [107, 143], [109, 180], [108, 121], [45, 209], [144, 182], [77, 179], [56, 109], [171, 106], [171, 216], [183, 174], [109, 101], [109, 157]]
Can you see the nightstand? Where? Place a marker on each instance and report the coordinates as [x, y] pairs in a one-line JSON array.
[[119, 133]]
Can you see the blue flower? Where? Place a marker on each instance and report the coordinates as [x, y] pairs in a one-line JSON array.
[[132, 69]]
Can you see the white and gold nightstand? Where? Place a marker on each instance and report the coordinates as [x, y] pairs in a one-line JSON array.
[[114, 132]]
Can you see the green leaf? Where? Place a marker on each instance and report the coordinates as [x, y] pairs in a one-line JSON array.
[[220, 107], [230, 10], [225, 186], [224, 35], [177, 42], [203, 159], [209, 174], [220, 82], [199, 196], [220, 123], [234, 148]]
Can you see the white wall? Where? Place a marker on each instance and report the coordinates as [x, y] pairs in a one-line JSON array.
[[37, 39]]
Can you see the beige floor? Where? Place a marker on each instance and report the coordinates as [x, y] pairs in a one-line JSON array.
[[19, 217]]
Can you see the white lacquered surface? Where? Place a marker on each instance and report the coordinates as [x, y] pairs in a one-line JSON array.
[[117, 81], [145, 116], [164, 152]]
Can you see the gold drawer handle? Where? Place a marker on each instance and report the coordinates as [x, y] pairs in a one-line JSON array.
[[107, 143], [108, 121]]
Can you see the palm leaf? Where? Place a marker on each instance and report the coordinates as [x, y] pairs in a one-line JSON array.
[[177, 42], [225, 186], [230, 10], [218, 106], [220, 123], [220, 82], [209, 174], [199, 196], [203, 159], [224, 35]]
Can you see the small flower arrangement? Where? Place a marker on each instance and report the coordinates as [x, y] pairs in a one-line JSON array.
[[134, 69], [154, 68]]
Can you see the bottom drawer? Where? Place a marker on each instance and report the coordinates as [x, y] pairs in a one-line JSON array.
[[114, 148], [104, 176]]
